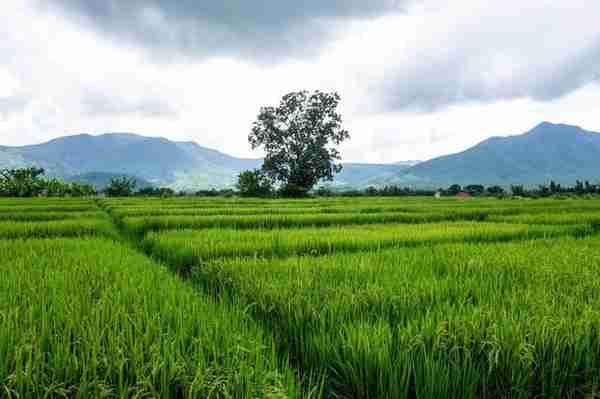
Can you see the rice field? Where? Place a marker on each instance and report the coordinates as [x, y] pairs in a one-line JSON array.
[[312, 298]]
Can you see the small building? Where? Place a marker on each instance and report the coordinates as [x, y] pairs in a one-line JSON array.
[[463, 194], [438, 194]]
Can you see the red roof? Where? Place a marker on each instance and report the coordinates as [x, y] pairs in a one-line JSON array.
[[462, 194]]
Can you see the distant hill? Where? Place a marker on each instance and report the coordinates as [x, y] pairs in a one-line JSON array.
[[156, 161], [562, 153], [558, 152], [362, 175]]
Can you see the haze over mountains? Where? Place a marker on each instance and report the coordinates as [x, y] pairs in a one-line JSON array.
[[562, 153]]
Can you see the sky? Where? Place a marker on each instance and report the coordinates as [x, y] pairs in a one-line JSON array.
[[418, 79]]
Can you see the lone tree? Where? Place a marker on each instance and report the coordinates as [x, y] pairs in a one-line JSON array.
[[299, 138]]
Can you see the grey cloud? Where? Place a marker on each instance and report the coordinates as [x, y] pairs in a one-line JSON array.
[[431, 87], [99, 104], [544, 54], [266, 30]]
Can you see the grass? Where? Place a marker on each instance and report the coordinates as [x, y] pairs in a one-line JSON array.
[[92, 318], [46, 216], [326, 297], [460, 320], [60, 228], [554, 218], [142, 225], [193, 247]]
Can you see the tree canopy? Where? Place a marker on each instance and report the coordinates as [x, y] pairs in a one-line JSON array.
[[254, 183], [299, 137], [121, 187], [30, 182]]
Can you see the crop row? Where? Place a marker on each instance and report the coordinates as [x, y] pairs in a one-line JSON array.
[[41, 216], [91, 318], [457, 320], [57, 228], [142, 225], [194, 247]]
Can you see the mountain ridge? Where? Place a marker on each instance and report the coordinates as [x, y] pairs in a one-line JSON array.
[[182, 165], [558, 152]]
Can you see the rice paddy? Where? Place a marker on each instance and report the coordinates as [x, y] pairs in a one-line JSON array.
[[335, 297]]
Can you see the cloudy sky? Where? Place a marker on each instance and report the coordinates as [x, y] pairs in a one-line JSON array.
[[418, 79]]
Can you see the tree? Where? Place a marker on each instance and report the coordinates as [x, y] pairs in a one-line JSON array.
[[156, 192], [26, 182], [517, 190], [495, 190], [454, 189], [475, 189], [299, 138], [254, 183], [120, 187]]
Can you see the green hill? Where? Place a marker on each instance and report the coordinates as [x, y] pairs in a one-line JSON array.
[[562, 153], [156, 161]]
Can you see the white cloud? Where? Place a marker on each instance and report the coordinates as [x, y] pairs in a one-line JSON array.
[[433, 81]]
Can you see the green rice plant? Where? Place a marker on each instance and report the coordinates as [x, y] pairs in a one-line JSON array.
[[45, 201], [41, 216], [141, 225], [554, 218], [218, 203], [157, 211], [193, 247], [60, 228], [47, 208], [462, 320], [93, 318]]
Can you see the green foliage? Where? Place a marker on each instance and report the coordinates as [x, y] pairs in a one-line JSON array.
[[26, 182], [517, 190], [495, 190], [93, 318], [299, 138], [445, 321], [156, 192], [29, 182], [121, 187], [378, 297], [454, 189], [475, 189], [141, 225], [186, 247], [254, 183]]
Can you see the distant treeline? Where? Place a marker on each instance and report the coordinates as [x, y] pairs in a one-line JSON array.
[[476, 190], [31, 182]]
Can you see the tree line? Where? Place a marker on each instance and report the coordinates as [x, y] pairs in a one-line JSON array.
[[32, 182]]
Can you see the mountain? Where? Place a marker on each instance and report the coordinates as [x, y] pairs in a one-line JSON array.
[[156, 161], [407, 163], [362, 175], [558, 152], [100, 180], [562, 153]]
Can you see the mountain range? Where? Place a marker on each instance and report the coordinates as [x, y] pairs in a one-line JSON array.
[[156, 161], [558, 152]]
